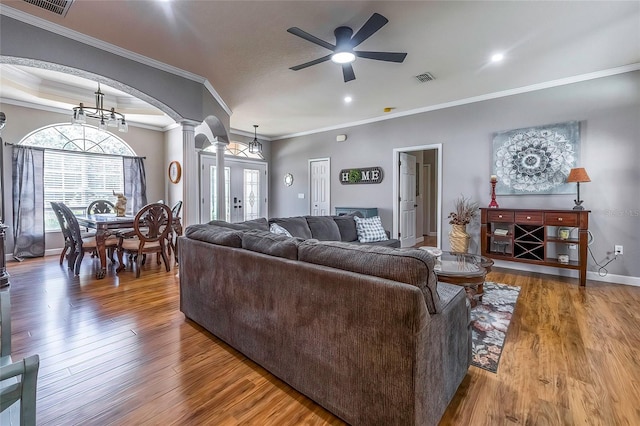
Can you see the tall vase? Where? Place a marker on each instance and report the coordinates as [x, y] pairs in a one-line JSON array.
[[459, 239]]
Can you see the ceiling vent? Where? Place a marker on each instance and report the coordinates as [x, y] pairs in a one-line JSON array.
[[59, 7], [424, 77]]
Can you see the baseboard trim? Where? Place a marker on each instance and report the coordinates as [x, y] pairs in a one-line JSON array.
[[549, 270], [419, 240]]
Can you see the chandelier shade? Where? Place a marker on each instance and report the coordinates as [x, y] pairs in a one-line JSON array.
[[106, 117], [255, 147]]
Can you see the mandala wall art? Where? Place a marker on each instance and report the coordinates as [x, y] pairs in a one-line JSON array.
[[536, 160]]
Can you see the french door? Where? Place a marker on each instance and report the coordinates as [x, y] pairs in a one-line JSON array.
[[245, 189]]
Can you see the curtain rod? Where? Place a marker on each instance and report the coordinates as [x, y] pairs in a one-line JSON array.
[[73, 152]]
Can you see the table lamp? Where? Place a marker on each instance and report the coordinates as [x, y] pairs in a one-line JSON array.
[[578, 175]]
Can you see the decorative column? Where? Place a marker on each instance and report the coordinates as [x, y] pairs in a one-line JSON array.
[[190, 185], [220, 195]]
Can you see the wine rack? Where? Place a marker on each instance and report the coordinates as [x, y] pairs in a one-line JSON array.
[[532, 236]]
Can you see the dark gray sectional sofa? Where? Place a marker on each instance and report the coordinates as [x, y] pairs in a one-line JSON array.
[[323, 228], [364, 330]]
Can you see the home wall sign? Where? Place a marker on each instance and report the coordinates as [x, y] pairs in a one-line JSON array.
[[361, 175]]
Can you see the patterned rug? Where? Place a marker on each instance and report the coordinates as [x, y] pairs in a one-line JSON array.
[[490, 322]]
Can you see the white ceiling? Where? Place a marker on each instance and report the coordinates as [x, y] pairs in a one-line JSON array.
[[244, 50]]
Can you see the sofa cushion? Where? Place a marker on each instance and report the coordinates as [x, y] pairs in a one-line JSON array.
[[260, 223], [223, 224], [297, 226], [386, 243], [323, 228], [347, 226], [269, 243], [279, 230], [215, 234], [370, 229], [410, 266]]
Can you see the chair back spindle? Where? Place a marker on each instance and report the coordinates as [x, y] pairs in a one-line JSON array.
[[101, 207]]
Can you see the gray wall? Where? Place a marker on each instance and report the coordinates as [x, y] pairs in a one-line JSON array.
[[609, 113]]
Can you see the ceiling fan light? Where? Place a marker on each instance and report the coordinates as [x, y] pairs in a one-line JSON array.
[[343, 57]]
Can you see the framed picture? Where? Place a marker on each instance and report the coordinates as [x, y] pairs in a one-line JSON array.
[[536, 160]]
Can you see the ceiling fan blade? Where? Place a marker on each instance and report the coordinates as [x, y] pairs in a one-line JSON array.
[[374, 23], [347, 71], [308, 64], [382, 56], [313, 39]]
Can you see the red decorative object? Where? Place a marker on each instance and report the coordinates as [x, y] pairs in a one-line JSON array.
[[493, 204]]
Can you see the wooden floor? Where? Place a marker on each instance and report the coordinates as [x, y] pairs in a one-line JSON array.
[[118, 351]]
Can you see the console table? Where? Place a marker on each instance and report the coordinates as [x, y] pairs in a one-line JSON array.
[[366, 211], [542, 237]]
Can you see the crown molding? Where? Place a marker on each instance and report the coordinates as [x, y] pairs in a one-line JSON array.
[[249, 134], [111, 48], [67, 112], [217, 97], [495, 95]]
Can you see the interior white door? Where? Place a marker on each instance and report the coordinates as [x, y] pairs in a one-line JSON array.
[[320, 181], [407, 200], [245, 189]]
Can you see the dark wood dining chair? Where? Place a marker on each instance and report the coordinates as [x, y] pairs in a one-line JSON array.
[[66, 233], [82, 245], [151, 228], [176, 229], [101, 207]]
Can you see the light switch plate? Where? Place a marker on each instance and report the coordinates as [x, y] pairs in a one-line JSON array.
[[301, 195]]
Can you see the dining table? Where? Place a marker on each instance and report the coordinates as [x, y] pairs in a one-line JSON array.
[[108, 224]]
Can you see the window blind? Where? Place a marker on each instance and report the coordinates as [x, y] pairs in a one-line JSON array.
[[77, 179]]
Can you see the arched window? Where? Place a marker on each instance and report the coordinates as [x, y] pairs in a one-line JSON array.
[[237, 149], [81, 164]]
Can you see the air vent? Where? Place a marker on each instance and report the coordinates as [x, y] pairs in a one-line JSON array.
[[59, 7], [424, 77]]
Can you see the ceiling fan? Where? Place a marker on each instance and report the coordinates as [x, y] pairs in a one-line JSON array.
[[346, 41]]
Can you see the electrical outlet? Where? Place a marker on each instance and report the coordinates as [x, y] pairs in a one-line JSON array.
[[618, 249]]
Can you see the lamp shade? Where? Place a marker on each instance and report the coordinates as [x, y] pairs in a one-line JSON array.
[[578, 175]]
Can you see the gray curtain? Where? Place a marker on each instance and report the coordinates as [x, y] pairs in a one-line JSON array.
[[28, 202], [135, 184]]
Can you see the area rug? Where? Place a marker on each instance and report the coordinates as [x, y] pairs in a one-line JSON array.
[[490, 323]]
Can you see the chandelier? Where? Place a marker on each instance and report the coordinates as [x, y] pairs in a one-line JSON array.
[[255, 147], [106, 117]]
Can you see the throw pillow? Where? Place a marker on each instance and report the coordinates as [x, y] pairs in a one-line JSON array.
[[278, 230], [370, 229]]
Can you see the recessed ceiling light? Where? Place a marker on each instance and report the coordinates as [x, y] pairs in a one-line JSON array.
[[497, 57], [347, 99]]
